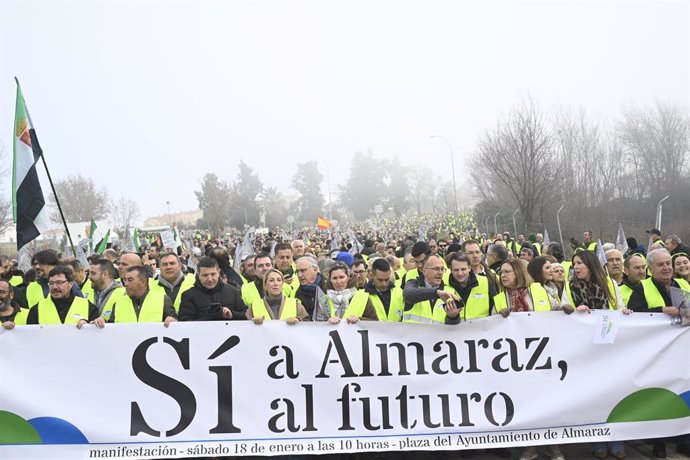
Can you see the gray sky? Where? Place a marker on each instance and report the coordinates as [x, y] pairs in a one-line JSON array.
[[147, 96]]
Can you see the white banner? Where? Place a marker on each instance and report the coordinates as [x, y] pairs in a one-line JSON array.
[[235, 388]]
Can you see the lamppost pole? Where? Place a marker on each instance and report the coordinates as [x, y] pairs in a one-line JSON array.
[[452, 168]]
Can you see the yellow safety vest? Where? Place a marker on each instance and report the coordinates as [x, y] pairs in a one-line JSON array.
[[626, 292], [187, 283], [87, 288], [612, 293], [652, 295], [477, 305], [48, 314], [540, 299], [16, 280], [356, 307], [289, 309], [250, 293], [34, 294], [396, 308], [110, 303], [21, 317], [151, 311], [423, 313], [592, 246], [537, 247]]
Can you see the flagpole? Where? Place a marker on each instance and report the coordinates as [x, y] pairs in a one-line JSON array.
[[62, 216]]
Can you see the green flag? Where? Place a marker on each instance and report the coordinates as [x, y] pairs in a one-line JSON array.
[[92, 235], [103, 244], [136, 244]]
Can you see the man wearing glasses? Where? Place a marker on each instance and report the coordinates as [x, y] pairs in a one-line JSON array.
[[425, 300], [62, 306], [43, 262]]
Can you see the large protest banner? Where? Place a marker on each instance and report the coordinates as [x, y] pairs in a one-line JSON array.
[[235, 388]]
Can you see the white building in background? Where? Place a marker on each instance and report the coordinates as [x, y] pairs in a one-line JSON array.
[[54, 235]]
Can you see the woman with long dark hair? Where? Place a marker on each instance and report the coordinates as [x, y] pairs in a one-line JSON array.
[[540, 269], [591, 289]]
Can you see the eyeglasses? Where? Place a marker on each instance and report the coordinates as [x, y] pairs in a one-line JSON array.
[[304, 270], [57, 283], [436, 269]]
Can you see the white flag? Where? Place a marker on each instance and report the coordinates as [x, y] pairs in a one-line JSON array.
[[621, 241], [601, 254], [547, 240]]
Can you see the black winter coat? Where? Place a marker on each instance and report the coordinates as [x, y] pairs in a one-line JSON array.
[[196, 302]]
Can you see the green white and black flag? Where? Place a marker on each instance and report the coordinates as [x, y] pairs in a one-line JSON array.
[[29, 208]]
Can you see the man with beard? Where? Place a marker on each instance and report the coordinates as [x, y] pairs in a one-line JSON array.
[[62, 306], [106, 290], [43, 262], [211, 298], [141, 304], [10, 312], [248, 269], [283, 262], [171, 281]]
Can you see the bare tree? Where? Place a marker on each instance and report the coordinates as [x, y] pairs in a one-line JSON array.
[[6, 219], [124, 213], [518, 158], [658, 144], [81, 200]]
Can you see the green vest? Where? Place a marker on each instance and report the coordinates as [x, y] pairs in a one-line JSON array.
[[540, 299], [21, 317], [289, 309], [289, 290], [250, 293], [48, 314], [411, 275], [626, 292], [356, 307], [151, 311], [16, 280], [87, 288], [110, 303], [424, 313], [396, 308], [652, 295], [477, 305], [187, 283], [34, 294]]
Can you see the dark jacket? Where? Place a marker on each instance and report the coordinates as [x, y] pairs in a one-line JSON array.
[[196, 302], [307, 294], [638, 302]]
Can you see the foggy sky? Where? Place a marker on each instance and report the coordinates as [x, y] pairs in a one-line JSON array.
[[147, 96]]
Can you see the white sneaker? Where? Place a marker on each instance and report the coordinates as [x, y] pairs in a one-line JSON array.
[[554, 452], [530, 453]]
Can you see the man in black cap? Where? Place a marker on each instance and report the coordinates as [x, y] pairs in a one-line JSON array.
[[655, 236]]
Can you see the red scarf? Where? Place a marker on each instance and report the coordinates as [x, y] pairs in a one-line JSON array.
[[518, 299]]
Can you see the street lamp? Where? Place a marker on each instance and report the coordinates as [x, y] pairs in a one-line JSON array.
[[169, 220], [328, 178], [495, 225], [658, 211], [452, 167]]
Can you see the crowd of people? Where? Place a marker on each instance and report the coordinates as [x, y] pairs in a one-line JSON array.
[[434, 271]]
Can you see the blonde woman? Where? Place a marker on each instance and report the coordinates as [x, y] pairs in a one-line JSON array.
[[275, 305]]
